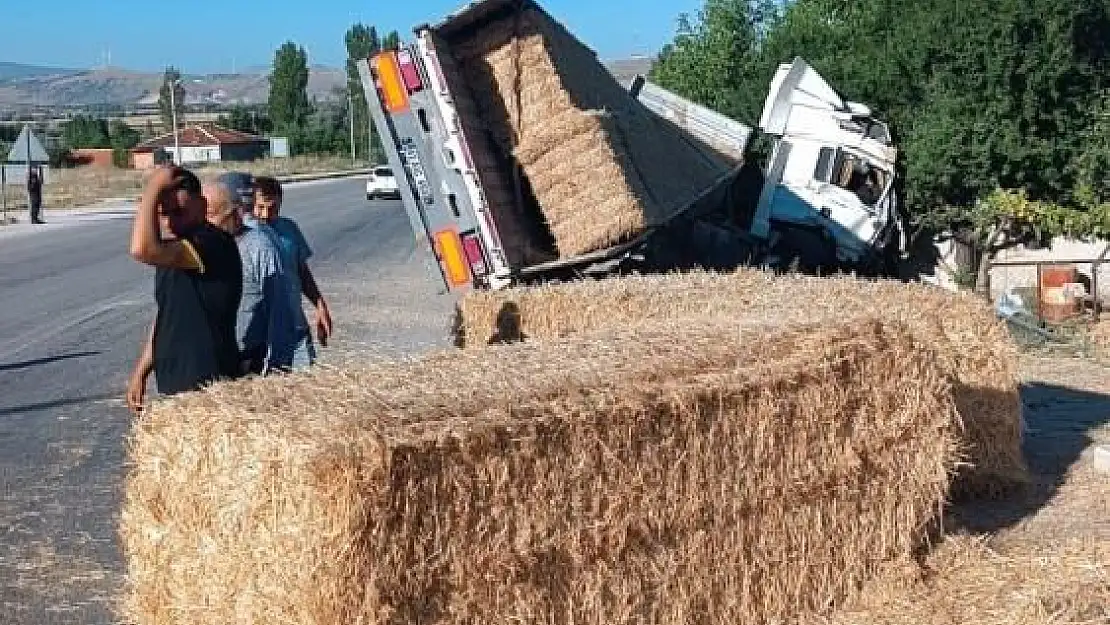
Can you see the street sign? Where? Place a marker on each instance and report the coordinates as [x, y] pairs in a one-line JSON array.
[[28, 148], [16, 173]]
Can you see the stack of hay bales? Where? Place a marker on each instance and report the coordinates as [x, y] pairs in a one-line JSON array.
[[974, 346], [665, 475], [602, 166]]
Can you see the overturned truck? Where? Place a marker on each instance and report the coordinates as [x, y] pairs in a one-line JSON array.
[[521, 159]]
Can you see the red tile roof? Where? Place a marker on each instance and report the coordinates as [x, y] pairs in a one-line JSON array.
[[198, 135]]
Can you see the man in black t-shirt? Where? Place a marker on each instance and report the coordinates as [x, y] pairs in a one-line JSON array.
[[198, 283]]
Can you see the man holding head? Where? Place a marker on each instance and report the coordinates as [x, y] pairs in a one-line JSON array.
[[198, 286], [265, 325]]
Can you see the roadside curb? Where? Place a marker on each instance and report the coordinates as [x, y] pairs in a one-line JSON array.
[[351, 173], [114, 204]]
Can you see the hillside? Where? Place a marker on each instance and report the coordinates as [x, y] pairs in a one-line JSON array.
[[26, 85], [31, 86], [19, 70]]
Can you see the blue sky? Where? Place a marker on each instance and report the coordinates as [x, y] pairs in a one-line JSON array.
[[203, 36]]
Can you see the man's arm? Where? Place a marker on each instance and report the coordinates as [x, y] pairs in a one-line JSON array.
[[147, 245], [323, 313], [136, 387]]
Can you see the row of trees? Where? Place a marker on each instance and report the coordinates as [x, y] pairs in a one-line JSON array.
[[1000, 107], [322, 127], [313, 127], [93, 132]]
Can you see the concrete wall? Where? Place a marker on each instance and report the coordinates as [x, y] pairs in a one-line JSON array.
[[197, 154], [148, 160], [95, 157]]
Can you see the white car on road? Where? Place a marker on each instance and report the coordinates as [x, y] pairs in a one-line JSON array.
[[382, 183]]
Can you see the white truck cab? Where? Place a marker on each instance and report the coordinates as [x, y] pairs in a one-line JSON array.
[[832, 166]]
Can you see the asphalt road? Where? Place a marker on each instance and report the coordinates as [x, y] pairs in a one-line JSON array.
[[73, 310]]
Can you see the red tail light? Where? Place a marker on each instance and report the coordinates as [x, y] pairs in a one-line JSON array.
[[409, 73], [474, 256]]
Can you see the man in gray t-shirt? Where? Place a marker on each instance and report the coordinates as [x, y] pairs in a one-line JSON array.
[[265, 328]]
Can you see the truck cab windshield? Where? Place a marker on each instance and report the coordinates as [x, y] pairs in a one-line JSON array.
[[853, 173]]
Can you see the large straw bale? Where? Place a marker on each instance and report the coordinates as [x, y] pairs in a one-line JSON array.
[[668, 475], [973, 344], [550, 103]]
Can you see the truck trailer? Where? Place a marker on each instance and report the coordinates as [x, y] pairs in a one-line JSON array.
[[825, 200]]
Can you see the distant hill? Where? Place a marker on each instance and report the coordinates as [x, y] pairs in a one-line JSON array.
[[26, 85], [18, 70], [33, 86], [626, 69]]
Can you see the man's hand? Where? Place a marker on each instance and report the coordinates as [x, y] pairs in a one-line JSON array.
[[136, 393], [323, 323], [160, 180]]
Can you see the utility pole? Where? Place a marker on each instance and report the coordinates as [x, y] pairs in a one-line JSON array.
[[173, 117], [351, 116], [28, 181]]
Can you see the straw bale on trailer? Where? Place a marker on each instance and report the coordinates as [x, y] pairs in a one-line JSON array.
[[661, 476], [601, 165], [973, 344]]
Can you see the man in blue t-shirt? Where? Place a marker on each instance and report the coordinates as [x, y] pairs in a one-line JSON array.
[[295, 253]]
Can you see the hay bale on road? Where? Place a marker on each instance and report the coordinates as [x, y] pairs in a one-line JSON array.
[[654, 477], [601, 165], [974, 346]]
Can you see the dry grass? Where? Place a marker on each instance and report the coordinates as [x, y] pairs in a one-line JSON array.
[[670, 474], [82, 186], [974, 346], [602, 166]]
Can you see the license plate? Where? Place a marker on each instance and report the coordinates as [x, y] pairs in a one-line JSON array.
[[416, 168]]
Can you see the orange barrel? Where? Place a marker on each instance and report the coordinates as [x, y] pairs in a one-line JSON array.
[[1056, 305]]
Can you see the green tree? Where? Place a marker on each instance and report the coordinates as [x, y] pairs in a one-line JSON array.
[[288, 103], [122, 138], [392, 41], [171, 77], [84, 132], [715, 58], [245, 119], [362, 43], [325, 130]]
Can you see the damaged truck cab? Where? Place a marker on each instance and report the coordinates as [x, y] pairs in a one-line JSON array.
[[832, 169]]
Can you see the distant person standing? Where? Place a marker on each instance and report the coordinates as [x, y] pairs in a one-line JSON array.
[[34, 195], [265, 327], [268, 196], [198, 282]]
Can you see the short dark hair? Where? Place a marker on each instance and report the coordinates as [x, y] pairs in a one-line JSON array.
[[186, 181], [265, 185]]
